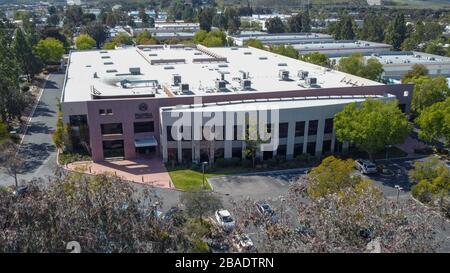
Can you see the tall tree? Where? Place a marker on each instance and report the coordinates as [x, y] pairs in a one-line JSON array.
[[205, 18], [295, 22], [28, 62], [427, 91], [49, 50], [98, 32], [233, 20], [275, 25], [434, 122], [357, 65], [372, 126], [395, 33], [373, 28]]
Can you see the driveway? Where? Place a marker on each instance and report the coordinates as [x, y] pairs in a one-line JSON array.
[[37, 147]]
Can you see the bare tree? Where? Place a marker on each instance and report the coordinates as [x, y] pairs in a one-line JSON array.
[[10, 160], [199, 203]]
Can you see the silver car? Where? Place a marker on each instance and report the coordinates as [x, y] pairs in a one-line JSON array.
[[366, 166]]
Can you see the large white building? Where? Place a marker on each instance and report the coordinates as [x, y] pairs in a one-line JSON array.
[[191, 103], [342, 48], [398, 63], [282, 38]]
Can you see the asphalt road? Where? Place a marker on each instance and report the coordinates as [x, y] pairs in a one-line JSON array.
[[37, 147]]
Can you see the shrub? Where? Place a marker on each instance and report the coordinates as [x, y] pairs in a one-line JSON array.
[[25, 88], [200, 246], [67, 157], [423, 191]]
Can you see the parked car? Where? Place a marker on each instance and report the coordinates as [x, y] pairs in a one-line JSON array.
[[224, 219], [265, 210], [366, 166], [243, 242], [217, 245]]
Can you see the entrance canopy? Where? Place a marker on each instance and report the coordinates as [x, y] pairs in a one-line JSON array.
[[145, 142]]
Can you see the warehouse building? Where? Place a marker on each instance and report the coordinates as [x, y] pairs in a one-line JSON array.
[[191, 103], [282, 38], [342, 48]]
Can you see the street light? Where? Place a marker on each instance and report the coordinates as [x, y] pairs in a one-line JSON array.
[[203, 170], [398, 191]]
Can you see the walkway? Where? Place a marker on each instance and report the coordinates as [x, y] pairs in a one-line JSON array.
[[145, 171]]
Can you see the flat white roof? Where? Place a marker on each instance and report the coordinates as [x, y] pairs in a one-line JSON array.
[[336, 45], [285, 103], [107, 73], [408, 57]]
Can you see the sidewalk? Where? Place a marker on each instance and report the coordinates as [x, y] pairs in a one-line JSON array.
[[146, 171]]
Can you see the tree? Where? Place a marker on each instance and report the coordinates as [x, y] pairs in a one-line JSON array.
[[205, 18], [275, 25], [395, 33], [432, 180], [372, 126], [294, 23], [357, 65], [103, 214], [4, 134], [288, 51], [316, 58], [200, 203], [331, 176], [29, 64], [214, 38], [373, 28], [427, 91], [84, 42], [254, 43], [53, 20], [10, 160], [343, 29], [233, 20], [49, 50], [416, 71], [98, 32], [122, 39], [434, 122], [145, 38], [109, 46], [73, 16], [12, 101]]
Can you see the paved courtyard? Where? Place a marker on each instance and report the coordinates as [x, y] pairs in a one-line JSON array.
[[146, 171]]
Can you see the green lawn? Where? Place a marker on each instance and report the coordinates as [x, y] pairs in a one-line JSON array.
[[187, 179]]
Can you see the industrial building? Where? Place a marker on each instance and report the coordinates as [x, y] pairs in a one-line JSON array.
[[341, 48], [398, 63], [282, 38], [191, 103]]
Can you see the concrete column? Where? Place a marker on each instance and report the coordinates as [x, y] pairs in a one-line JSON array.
[[180, 151], [227, 147], [333, 140], [164, 142], [305, 136], [290, 141], [319, 137], [244, 146]]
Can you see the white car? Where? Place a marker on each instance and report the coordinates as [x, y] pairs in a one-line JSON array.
[[243, 242], [224, 219], [365, 166]]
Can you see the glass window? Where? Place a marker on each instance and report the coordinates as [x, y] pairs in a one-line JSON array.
[[113, 148], [328, 126], [299, 128], [111, 128], [312, 128], [101, 111], [283, 129], [144, 127]]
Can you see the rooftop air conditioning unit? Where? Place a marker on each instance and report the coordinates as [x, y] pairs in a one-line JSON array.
[[244, 75], [246, 84], [311, 81], [220, 84], [283, 75], [302, 74], [184, 87], [176, 79], [135, 70]]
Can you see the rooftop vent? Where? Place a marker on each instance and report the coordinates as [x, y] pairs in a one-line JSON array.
[[103, 51], [263, 58], [311, 81], [184, 87], [282, 64], [108, 63], [111, 71], [176, 79], [223, 65], [283, 75], [246, 84], [106, 57], [168, 67], [302, 74], [153, 54], [234, 48], [220, 85], [135, 70], [247, 53], [244, 75]]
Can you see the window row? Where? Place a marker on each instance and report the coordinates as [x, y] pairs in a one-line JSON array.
[[116, 128]]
